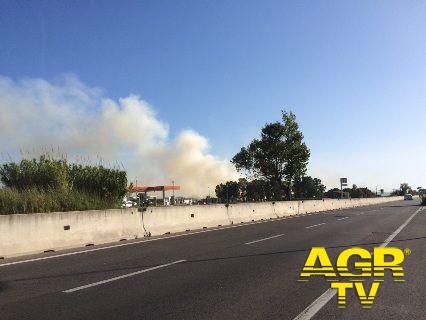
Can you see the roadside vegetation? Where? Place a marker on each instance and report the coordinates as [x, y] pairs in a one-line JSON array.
[[354, 192], [275, 168], [404, 188], [49, 185], [275, 162]]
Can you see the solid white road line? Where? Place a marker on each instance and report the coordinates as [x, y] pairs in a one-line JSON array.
[[343, 218], [122, 277], [322, 300], [315, 225], [263, 239], [402, 226], [316, 306]]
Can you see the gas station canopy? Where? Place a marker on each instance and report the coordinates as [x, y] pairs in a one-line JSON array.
[[156, 188]]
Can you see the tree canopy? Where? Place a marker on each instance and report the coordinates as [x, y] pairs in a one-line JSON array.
[[279, 156], [308, 188], [404, 188], [354, 192]]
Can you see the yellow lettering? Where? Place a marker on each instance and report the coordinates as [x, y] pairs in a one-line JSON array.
[[363, 266], [318, 254], [394, 265], [367, 300], [341, 292]]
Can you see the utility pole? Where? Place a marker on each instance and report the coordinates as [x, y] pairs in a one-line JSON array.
[[227, 194]]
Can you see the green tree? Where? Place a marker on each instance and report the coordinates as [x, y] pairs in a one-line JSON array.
[[279, 156], [228, 192], [261, 190], [332, 193], [308, 188], [405, 188], [356, 192], [244, 190]]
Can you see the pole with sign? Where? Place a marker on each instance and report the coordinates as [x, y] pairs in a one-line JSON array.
[[343, 183]]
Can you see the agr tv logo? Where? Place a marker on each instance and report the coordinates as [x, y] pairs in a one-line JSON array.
[[366, 266]]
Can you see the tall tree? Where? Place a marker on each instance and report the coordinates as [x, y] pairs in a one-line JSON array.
[[405, 188], [279, 156]]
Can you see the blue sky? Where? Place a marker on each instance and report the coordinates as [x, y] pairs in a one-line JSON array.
[[354, 72]]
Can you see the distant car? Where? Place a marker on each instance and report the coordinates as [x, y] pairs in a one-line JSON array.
[[408, 197], [127, 204]]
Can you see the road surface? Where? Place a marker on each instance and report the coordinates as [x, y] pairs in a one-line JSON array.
[[247, 271]]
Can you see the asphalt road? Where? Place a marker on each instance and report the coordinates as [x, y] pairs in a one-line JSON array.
[[245, 271]]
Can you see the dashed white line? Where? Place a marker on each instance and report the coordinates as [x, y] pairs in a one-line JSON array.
[[122, 277], [343, 218], [315, 225], [323, 299], [263, 239]]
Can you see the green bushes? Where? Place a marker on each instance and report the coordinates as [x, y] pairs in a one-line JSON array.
[[47, 185], [32, 200], [103, 182], [43, 174]]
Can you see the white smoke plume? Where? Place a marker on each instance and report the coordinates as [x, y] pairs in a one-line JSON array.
[[82, 122]]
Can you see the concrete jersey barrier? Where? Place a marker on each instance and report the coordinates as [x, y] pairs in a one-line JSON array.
[[22, 234]]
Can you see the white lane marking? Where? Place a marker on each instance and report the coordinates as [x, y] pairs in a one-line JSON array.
[[322, 300], [316, 306], [122, 277], [263, 239], [343, 218], [315, 225], [402, 226]]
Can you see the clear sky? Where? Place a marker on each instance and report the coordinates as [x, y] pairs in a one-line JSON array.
[[354, 72]]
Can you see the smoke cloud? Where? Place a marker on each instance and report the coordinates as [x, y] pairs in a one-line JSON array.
[[82, 121]]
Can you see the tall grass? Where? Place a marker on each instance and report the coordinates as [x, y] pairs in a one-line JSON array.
[[13, 201], [47, 185]]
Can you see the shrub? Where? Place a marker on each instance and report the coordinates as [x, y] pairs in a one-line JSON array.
[[46, 185]]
